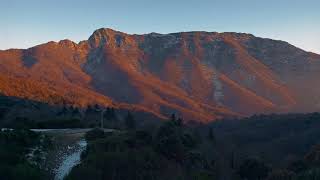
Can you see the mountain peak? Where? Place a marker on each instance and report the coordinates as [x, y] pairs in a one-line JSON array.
[[104, 31], [67, 43], [102, 36]]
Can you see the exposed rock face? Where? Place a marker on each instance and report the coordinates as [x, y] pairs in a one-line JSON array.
[[199, 75]]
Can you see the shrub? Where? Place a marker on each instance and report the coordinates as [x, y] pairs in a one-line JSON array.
[[94, 134]]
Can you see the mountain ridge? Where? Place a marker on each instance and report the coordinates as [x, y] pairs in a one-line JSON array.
[[152, 33], [198, 75]]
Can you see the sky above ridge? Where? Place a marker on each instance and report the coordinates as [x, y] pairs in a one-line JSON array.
[[28, 23]]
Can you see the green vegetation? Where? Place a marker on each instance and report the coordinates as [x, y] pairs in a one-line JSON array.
[[172, 152], [15, 146], [60, 123], [24, 123], [252, 169], [264, 147], [273, 147], [94, 134], [130, 121]]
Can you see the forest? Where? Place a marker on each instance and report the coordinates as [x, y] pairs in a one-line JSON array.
[[21, 154], [260, 147]]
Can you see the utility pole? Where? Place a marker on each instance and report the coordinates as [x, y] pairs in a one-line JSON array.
[[101, 121]]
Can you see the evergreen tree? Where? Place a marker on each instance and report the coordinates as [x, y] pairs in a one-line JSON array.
[[211, 135], [179, 122], [173, 117], [96, 107], [129, 121], [89, 109], [63, 111], [107, 113], [112, 113], [75, 111], [253, 169]]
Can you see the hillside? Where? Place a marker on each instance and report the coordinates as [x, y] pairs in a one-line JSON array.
[[198, 75]]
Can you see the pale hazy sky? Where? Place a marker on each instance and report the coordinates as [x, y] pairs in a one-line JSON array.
[[25, 23]]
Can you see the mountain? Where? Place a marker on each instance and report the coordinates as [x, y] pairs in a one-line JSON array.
[[198, 75]]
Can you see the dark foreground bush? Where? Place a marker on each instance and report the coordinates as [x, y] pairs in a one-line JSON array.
[[94, 134], [14, 145]]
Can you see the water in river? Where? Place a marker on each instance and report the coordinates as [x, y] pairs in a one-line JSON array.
[[70, 161]]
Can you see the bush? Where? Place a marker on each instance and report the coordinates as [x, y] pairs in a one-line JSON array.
[[281, 175], [15, 144], [312, 174], [94, 134], [27, 172], [253, 169]]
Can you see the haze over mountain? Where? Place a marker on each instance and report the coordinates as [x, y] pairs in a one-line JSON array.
[[199, 75]]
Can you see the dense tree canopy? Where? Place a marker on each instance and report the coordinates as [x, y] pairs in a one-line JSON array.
[[14, 146]]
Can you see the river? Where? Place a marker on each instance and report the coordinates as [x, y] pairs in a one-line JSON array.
[[70, 160]]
